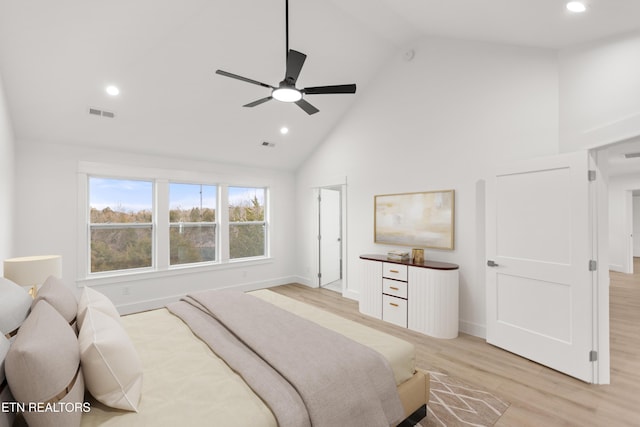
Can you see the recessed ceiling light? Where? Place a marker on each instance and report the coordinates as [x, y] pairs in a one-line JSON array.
[[112, 90], [284, 130], [576, 6]]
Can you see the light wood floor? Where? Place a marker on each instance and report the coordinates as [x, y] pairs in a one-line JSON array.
[[539, 396]]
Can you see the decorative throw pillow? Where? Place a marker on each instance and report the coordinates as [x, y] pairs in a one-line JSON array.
[[42, 366], [110, 363], [15, 303], [60, 296], [92, 298]]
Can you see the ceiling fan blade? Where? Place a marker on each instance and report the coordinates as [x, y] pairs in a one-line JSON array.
[[244, 79], [258, 102], [295, 60], [317, 90], [310, 109]]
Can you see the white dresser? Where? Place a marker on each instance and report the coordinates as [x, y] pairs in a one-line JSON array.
[[420, 296]]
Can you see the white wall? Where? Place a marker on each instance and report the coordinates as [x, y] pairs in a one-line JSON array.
[[620, 221], [6, 180], [46, 221], [442, 121], [599, 93]]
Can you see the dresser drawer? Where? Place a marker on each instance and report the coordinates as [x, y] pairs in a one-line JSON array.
[[394, 310], [394, 271], [395, 288]]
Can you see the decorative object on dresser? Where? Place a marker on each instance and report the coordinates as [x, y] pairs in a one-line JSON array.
[[398, 255], [423, 219], [420, 296], [417, 255], [32, 271]]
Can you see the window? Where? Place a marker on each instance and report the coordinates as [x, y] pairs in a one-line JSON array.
[[147, 222], [192, 223], [247, 225], [120, 224]]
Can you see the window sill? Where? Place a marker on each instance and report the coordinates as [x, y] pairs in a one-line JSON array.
[[178, 270]]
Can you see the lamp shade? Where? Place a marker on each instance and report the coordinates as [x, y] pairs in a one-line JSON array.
[[32, 270]]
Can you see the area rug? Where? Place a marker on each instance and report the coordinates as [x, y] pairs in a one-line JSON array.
[[454, 403]]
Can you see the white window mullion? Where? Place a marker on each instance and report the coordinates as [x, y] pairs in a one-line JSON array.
[[223, 221], [161, 225], [84, 243]]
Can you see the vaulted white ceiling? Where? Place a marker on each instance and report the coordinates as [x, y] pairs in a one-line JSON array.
[[56, 57]]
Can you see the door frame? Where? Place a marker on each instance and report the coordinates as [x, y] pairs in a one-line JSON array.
[[315, 232], [321, 239]]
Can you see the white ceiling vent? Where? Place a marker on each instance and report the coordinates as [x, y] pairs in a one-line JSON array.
[[97, 112], [268, 144]]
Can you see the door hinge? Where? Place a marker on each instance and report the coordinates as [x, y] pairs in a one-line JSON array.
[[593, 265], [319, 275], [592, 175], [593, 356]]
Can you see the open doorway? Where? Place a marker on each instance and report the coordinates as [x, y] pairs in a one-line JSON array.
[[330, 238], [617, 231]]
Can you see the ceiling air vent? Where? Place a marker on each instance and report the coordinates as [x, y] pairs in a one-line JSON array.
[[268, 144], [631, 155], [97, 112]]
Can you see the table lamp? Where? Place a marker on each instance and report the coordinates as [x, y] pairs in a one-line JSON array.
[[31, 271]]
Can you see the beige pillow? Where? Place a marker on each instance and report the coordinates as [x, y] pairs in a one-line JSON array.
[[15, 303], [42, 363], [6, 417], [92, 298], [60, 296], [110, 363]]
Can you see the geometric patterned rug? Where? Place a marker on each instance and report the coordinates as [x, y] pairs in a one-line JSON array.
[[453, 403]]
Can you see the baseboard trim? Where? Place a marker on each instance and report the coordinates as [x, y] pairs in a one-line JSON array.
[[472, 328], [155, 303]]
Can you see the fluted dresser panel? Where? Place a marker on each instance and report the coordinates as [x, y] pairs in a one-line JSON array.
[[433, 302], [420, 296]]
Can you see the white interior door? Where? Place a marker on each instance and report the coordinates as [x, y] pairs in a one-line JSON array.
[[540, 287], [330, 236]]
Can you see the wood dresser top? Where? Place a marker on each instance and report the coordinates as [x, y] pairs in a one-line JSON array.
[[436, 265]]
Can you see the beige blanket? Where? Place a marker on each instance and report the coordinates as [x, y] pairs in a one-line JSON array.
[[338, 381]]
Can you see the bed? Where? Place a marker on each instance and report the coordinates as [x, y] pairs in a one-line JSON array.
[[185, 382]]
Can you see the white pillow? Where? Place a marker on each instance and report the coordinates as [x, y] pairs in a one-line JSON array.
[[92, 298], [110, 363], [15, 303]]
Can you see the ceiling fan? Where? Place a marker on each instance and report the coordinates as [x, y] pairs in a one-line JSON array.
[[286, 90]]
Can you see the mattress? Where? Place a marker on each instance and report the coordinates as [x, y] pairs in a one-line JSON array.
[[185, 382]]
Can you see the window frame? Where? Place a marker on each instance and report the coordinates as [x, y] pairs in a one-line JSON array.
[[216, 224], [264, 223], [161, 178]]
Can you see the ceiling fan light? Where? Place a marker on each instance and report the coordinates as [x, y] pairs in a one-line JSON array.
[[576, 6], [286, 94]]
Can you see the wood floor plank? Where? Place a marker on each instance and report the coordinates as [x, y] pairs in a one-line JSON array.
[[539, 396]]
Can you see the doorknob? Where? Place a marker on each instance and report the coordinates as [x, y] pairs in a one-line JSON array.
[[491, 263]]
